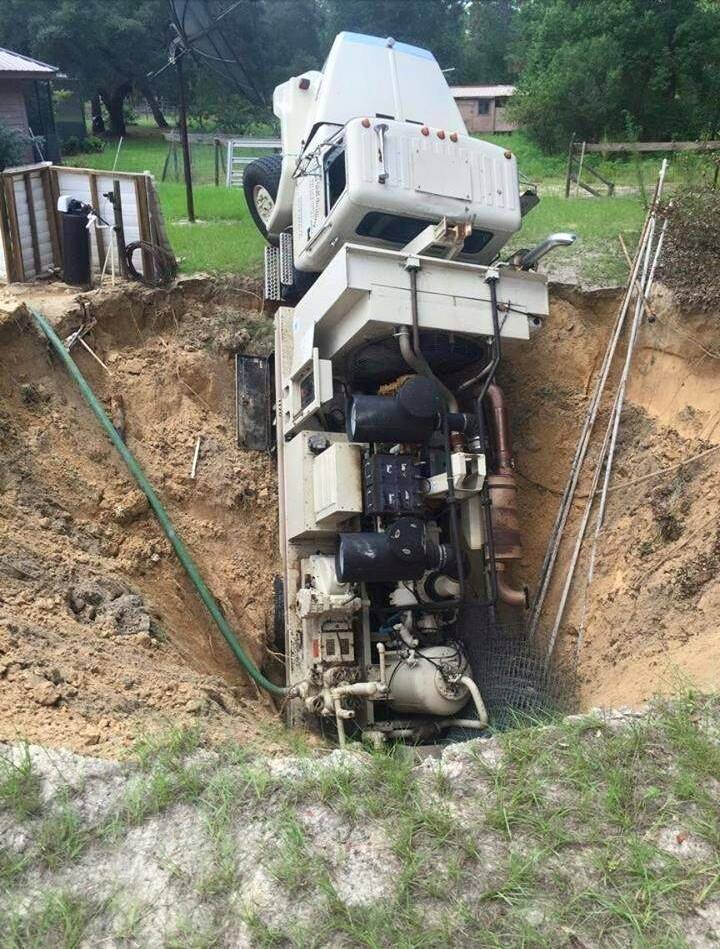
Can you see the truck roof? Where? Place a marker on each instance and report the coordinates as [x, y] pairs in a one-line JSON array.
[[376, 76]]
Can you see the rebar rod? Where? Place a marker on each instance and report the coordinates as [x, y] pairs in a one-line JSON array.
[[583, 443]]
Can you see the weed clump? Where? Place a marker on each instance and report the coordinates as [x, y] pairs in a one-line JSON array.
[[20, 786]]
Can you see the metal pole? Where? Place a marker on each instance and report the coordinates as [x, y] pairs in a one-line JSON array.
[[182, 122], [584, 439]]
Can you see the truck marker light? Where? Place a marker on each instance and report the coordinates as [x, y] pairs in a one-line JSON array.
[[508, 154], [441, 133], [365, 123], [453, 136], [425, 130], [304, 83]]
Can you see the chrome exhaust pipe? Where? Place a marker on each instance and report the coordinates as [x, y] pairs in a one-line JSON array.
[[529, 259]]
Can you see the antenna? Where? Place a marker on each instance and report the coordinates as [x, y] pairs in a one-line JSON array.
[[213, 43], [200, 32]]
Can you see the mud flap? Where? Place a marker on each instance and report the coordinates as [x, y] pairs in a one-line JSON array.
[[254, 402]]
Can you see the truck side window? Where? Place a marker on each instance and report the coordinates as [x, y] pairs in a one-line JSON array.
[[401, 230], [335, 177]]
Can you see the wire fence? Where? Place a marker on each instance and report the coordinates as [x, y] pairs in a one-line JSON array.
[[209, 158], [512, 674], [633, 173]]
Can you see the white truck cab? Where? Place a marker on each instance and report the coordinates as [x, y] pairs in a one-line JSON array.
[[373, 150]]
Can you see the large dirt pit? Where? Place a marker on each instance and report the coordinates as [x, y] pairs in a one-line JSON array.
[[102, 636]]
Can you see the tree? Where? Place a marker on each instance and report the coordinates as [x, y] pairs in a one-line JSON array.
[[591, 68], [489, 36], [108, 47], [273, 39]]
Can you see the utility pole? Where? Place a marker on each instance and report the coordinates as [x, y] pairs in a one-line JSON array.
[[182, 122]]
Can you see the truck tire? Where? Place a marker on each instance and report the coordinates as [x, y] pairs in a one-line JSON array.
[[279, 614], [261, 181]]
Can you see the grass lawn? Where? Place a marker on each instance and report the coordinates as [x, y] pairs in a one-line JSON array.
[[596, 258], [224, 238]]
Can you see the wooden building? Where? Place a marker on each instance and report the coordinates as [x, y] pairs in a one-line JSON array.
[[484, 107], [26, 103]]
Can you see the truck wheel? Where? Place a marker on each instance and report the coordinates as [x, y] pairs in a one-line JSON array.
[[261, 181]]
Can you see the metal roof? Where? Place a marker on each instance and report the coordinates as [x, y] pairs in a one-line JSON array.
[[15, 64], [481, 92]]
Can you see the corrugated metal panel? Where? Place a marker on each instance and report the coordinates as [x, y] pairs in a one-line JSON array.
[[17, 63], [481, 92]]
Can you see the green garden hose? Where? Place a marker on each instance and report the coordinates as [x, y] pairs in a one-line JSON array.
[[137, 472]]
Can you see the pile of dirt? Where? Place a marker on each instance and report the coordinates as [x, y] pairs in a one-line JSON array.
[[100, 631], [579, 835], [689, 265]]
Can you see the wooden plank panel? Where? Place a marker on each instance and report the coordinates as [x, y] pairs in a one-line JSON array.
[[71, 170], [18, 267], [8, 268], [50, 207], [33, 224], [144, 226]]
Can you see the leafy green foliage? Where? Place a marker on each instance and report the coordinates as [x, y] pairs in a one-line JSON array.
[[73, 145], [107, 46], [12, 146], [490, 32], [585, 67]]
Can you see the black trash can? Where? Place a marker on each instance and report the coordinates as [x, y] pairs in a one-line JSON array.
[[76, 243]]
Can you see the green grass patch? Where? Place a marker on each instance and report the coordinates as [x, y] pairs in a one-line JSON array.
[[61, 837], [596, 257], [20, 786], [55, 919]]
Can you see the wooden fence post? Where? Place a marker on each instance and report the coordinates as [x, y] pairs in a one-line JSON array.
[[15, 245], [568, 176]]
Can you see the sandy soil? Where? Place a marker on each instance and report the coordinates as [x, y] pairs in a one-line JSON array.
[[100, 631]]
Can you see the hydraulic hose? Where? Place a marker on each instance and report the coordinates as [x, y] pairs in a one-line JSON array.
[[137, 472]]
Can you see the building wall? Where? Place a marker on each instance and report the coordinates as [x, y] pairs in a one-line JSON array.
[[12, 108], [494, 119]]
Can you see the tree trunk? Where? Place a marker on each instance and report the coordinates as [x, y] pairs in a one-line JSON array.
[[98, 122], [114, 100], [152, 101]]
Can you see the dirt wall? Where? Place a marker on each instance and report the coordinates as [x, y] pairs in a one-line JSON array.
[[649, 616], [101, 631]]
